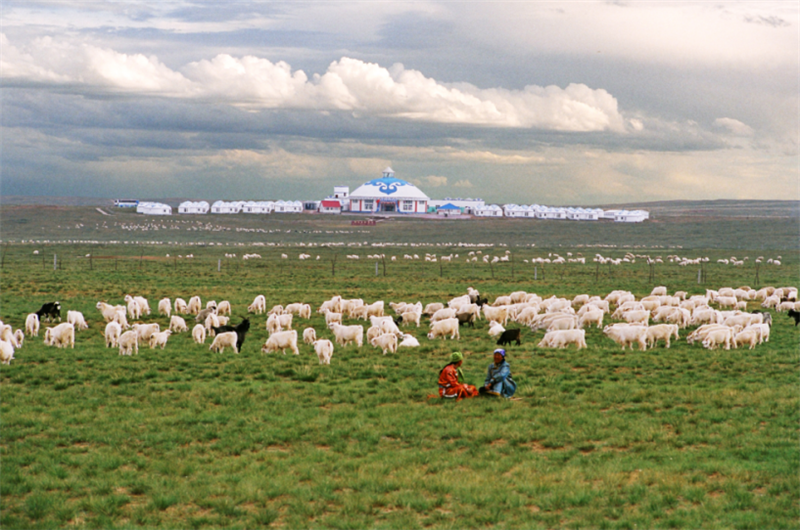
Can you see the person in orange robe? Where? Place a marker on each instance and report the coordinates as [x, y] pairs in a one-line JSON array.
[[450, 385]]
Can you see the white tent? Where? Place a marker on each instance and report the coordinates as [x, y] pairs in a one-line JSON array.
[[492, 210], [154, 208], [193, 207]]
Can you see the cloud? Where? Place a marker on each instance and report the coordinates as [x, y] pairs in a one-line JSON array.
[[352, 85], [463, 183], [735, 127], [431, 181]]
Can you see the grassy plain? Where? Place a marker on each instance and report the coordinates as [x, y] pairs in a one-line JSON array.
[[666, 438]]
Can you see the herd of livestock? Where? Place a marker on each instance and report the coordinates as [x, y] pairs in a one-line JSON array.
[[721, 318]]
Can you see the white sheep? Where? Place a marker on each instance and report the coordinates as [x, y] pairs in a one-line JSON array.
[[661, 332], [60, 336], [443, 328], [409, 341], [199, 334], [177, 324], [134, 310], [224, 308], [594, 316], [128, 343], [386, 342], [120, 317], [495, 329], [145, 331], [181, 306], [32, 325], [112, 333], [718, 336], [443, 314], [76, 319], [258, 306], [108, 311], [6, 352], [224, 340], [627, 335], [309, 335], [144, 305], [165, 307], [324, 350], [563, 338], [281, 341], [19, 336], [195, 305], [411, 317], [347, 334], [159, 339]]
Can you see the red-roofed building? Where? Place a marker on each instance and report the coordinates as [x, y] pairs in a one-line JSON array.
[[330, 206]]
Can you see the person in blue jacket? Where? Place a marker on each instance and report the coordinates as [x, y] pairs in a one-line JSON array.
[[498, 377]]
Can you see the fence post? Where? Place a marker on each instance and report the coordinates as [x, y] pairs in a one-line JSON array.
[[376, 268], [699, 273], [535, 272], [55, 261], [219, 264]]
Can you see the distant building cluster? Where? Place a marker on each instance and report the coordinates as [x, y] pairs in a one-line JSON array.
[[389, 194]]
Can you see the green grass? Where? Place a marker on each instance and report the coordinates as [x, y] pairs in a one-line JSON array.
[[182, 438]]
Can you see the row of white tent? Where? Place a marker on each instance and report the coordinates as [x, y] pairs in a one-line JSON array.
[[536, 211], [202, 207]]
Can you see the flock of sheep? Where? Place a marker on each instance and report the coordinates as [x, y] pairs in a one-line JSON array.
[[721, 316]]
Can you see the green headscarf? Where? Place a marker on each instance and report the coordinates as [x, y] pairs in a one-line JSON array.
[[454, 358]]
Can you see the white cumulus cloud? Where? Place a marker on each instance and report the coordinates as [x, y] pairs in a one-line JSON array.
[[348, 84]]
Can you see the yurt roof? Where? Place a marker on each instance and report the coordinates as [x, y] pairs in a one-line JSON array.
[[388, 187]]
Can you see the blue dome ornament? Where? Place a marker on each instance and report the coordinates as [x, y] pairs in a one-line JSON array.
[[387, 185]]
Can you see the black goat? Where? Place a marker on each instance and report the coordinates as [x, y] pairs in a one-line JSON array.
[[509, 336], [241, 330], [795, 315], [466, 318], [49, 311]]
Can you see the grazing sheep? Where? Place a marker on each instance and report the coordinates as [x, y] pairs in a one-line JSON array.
[[60, 336], [19, 336], [347, 334], [498, 314], [134, 310], [594, 316], [432, 308], [718, 336], [145, 331], [443, 328], [181, 306], [76, 319], [6, 352], [224, 308], [627, 335], [562, 338], [410, 317], [159, 339], [280, 341], [7, 334], [203, 313], [746, 336], [509, 336], [661, 332], [108, 311], [224, 340], [387, 342], [195, 305], [637, 317], [211, 321], [112, 334], [165, 307], [144, 305], [199, 334], [324, 350], [309, 335], [32, 325], [120, 317], [177, 324], [240, 329], [273, 324], [276, 310]]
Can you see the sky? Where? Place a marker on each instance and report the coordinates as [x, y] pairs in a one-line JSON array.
[[556, 103]]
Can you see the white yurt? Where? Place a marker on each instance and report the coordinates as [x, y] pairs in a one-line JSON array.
[[491, 210], [388, 194], [198, 207]]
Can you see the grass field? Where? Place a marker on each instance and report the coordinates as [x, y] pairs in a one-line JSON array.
[[666, 438]]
